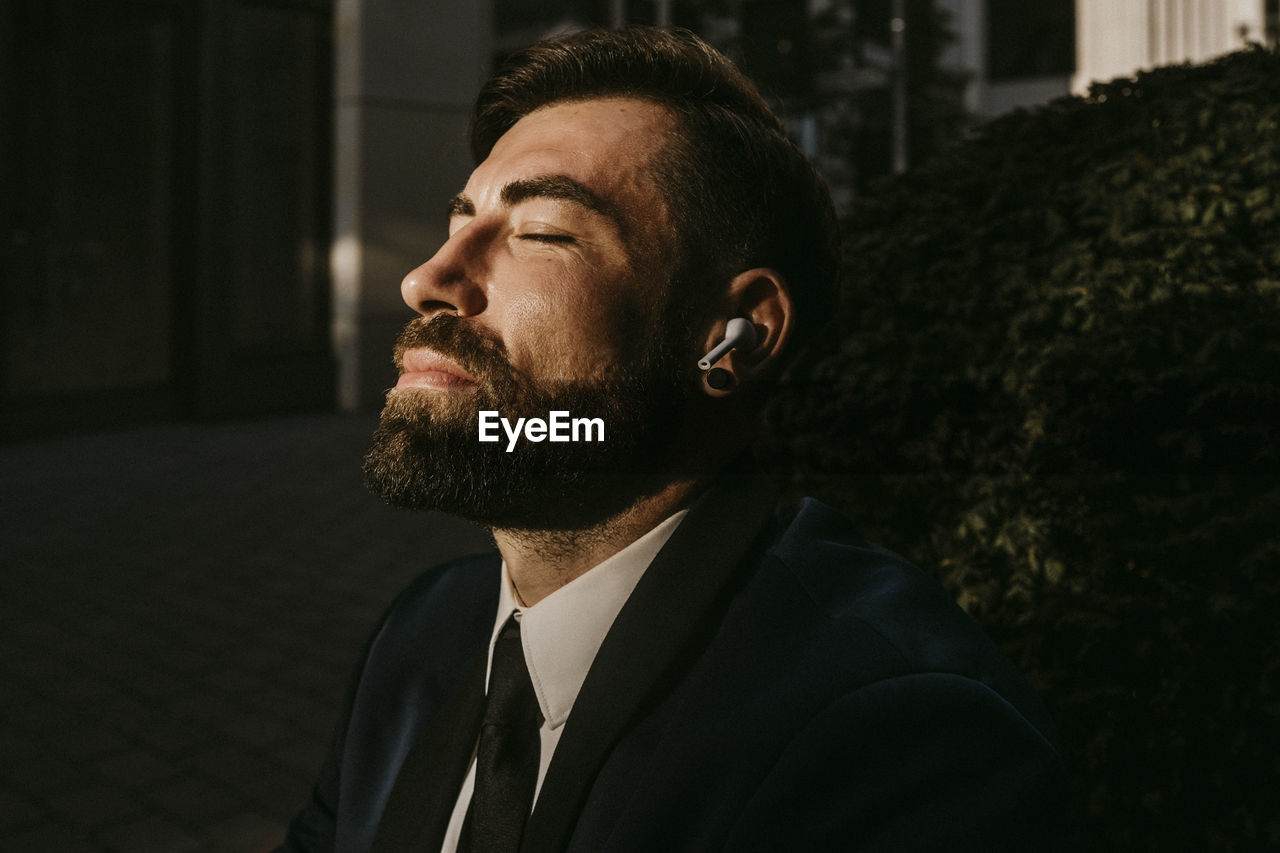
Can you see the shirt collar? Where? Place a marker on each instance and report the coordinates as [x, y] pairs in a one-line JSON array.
[[562, 633]]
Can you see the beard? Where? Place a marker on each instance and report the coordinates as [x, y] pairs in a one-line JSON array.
[[426, 452]]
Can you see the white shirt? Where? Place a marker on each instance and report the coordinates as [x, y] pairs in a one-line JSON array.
[[561, 635]]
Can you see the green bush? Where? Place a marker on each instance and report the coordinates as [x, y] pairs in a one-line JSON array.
[[1055, 388]]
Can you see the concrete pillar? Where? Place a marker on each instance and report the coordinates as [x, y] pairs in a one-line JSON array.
[[407, 74], [968, 53]]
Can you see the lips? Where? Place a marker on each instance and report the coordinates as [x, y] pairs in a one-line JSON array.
[[425, 368]]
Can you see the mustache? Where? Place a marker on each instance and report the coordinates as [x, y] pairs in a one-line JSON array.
[[482, 355]]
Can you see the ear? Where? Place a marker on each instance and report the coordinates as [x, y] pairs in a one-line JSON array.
[[762, 297]]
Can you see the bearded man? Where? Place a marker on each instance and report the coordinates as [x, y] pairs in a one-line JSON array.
[[659, 657]]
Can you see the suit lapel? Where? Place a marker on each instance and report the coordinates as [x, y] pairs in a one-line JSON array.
[[426, 789], [421, 800], [685, 580]]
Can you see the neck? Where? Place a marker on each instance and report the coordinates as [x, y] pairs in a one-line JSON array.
[[541, 561]]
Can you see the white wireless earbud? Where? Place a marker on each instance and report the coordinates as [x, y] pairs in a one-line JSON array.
[[737, 333]]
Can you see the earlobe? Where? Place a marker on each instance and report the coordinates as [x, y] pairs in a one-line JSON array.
[[719, 381]]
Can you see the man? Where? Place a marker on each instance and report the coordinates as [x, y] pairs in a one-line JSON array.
[[672, 661]]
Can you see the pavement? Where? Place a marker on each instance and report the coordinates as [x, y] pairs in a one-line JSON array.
[[181, 607]]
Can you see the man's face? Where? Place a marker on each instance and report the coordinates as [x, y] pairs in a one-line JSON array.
[[549, 294]]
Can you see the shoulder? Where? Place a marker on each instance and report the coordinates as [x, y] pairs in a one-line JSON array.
[[849, 577], [451, 586], [925, 761], [952, 747], [452, 601], [415, 656], [426, 637], [875, 617]]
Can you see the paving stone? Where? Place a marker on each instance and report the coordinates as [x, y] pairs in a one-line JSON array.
[[126, 712], [266, 658], [302, 753], [160, 686], [200, 707], [151, 834], [230, 678], [171, 666], [17, 810], [44, 776], [195, 801], [172, 734], [36, 631], [83, 740], [85, 689], [43, 719], [309, 677], [315, 714], [135, 768], [97, 806], [257, 729], [50, 839], [43, 669], [246, 833], [279, 792], [188, 661], [231, 764], [18, 744]]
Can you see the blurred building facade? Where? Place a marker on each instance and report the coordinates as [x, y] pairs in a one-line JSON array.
[[208, 205], [165, 196], [1019, 54]]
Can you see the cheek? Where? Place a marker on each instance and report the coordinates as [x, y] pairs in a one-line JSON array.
[[565, 319], [552, 338]]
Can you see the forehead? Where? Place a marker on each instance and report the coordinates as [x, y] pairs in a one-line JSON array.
[[604, 143]]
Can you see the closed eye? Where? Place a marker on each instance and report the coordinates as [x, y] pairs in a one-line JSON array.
[[547, 238]]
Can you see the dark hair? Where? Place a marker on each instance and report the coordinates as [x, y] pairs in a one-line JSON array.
[[739, 191]]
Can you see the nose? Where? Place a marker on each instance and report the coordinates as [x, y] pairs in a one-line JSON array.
[[448, 282]]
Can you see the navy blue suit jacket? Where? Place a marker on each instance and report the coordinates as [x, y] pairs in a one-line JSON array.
[[773, 683]]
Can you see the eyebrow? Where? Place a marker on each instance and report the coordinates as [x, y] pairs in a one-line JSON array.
[[460, 205], [555, 187]]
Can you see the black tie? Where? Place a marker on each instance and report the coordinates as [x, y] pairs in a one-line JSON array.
[[507, 755]]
